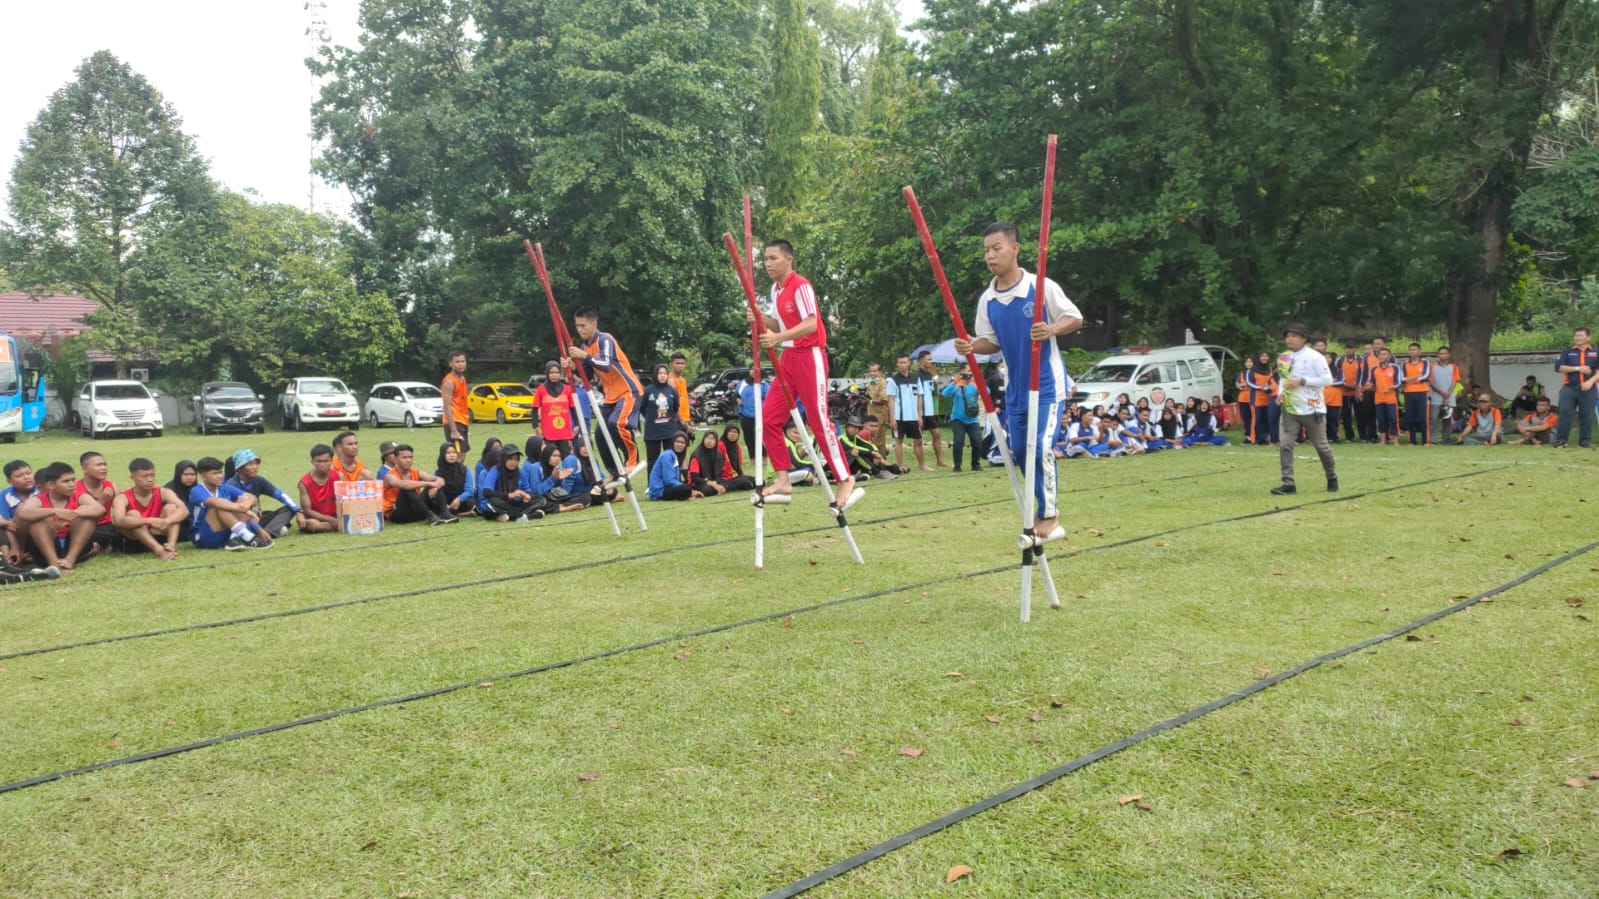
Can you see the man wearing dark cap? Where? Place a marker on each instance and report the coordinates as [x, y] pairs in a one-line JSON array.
[[1304, 375]]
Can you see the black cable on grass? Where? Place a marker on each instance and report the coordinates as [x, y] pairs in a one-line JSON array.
[[452, 533], [562, 569], [910, 836], [659, 641]]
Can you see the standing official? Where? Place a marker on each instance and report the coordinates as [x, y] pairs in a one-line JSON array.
[[1304, 375]]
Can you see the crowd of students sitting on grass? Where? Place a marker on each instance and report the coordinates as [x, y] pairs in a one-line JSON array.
[[1128, 428]]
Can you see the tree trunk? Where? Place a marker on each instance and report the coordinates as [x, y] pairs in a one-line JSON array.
[[1474, 302]]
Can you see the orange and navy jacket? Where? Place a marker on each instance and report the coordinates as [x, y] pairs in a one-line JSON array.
[[607, 362], [1333, 394], [1385, 381], [1262, 386], [1353, 372], [1572, 356], [1421, 371]]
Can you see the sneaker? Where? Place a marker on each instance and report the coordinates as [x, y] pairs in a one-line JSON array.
[[522, 517], [452, 518], [1332, 485], [257, 543], [502, 517], [535, 515], [1284, 490], [958, 468], [434, 521], [48, 573], [235, 544]]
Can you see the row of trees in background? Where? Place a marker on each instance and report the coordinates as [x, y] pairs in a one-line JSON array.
[[1224, 166]]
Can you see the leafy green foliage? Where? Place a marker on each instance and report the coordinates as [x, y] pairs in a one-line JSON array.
[[793, 103]]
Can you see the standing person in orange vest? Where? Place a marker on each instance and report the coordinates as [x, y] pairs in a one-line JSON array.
[[1351, 371], [1384, 378], [679, 364], [1263, 386], [1333, 396], [1246, 399], [457, 415], [1416, 376]]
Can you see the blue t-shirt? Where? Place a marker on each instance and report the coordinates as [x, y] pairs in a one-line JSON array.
[[665, 473], [200, 493], [1006, 318], [10, 499], [746, 396], [262, 487]]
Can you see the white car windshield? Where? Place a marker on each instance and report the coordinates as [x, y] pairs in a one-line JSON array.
[[323, 385], [423, 392], [1113, 374], [121, 392]]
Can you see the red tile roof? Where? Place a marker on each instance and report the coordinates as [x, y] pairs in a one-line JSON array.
[[45, 320]]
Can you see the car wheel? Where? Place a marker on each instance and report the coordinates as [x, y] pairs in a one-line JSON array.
[[410, 420], [260, 429], [355, 425], [155, 432], [374, 418], [294, 420], [499, 416]]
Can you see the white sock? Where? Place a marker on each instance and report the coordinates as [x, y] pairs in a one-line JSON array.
[[239, 530]]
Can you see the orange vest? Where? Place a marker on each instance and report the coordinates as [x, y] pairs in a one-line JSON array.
[[1261, 381], [1415, 370], [1350, 369], [458, 411], [358, 473], [1386, 379]]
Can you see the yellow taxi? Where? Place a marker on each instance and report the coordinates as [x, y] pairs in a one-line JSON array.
[[500, 401]]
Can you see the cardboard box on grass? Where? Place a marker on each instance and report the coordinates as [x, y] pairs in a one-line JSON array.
[[360, 506]]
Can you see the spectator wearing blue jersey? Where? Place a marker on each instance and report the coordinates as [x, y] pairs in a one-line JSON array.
[[928, 376], [14, 544], [506, 491], [1005, 325], [224, 516], [666, 477], [746, 405], [963, 411], [905, 396], [245, 474]]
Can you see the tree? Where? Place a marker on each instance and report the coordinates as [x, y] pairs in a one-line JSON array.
[[793, 108], [104, 169]]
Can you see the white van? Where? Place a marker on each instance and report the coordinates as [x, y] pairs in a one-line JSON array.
[[1175, 373], [105, 407]]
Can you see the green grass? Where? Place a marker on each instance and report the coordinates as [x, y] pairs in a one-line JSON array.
[[733, 763]]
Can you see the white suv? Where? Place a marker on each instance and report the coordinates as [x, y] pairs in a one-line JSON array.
[[105, 407], [410, 403], [307, 402]]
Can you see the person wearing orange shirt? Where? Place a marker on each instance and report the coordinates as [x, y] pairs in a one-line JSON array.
[[1537, 429], [1333, 397], [1485, 425], [346, 467], [1246, 400], [679, 364], [1366, 411], [1384, 378], [1351, 371], [602, 358], [1263, 386], [1416, 377], [457, 415]]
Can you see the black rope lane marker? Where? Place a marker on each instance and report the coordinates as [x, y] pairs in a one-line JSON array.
[[910, 836], [450, 533], [617, 651], [424, 591]]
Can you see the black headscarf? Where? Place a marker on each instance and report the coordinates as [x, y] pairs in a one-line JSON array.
[[508, 479], [734, 451], [533, 448], [710, 457], [176, 484], [453, 473], [491, 453]]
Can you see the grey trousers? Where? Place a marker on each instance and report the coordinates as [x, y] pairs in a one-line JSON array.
[[1438, 426], [1288, 434]]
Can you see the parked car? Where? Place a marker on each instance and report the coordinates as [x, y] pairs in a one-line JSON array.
[[307, 402], [1170, 373], [410, 403], [107, 407], [501, 401], [228, 406]]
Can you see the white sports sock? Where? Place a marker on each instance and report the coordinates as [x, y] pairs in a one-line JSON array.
[[239, 530]]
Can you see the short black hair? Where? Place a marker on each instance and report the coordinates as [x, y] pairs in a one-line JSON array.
[[1575, 330], [343, 435], [677, 356], [84, 459], [321, 449], [870, 419], [208, 463], [14, 466], [53, 472], [405, 448], [1414, 345], [140, 464], [1006, 228], [1444, 347], [783, 245], [587, 313], [453, 354]]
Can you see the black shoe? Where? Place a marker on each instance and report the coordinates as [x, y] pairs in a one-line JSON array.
[[236, 544], [958, 468], [1284, 490], [535, 515], [1332, 485], [434, 520], [256, 542], [1586, 445], [1558, 444]]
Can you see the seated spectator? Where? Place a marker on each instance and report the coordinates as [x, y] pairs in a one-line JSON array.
[[800, 470], [1062, 438], [184, 477], [96, 483], [861, 449], [506, 493], [1082, 436], [410, 494], [1127, 431], [14, 544], [224, 516], [1538, 428], [734, 449], [460, 489], [243, 471], [666, 478], [710, 472], [486, 461], [587, 478], [1202, 426], [1525, 402], [347, 465], [319, 508], [60, 520], [1164, 434], [1484, 425], [560, 481], [147, 515], [386, 451]]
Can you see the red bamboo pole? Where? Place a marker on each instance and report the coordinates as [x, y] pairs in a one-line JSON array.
[[949, 297]]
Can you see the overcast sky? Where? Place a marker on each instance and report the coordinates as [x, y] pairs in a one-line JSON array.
[[234, 71]]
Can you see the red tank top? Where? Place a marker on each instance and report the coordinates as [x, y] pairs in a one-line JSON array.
[[153, 510], [72, 503], [321, 496]]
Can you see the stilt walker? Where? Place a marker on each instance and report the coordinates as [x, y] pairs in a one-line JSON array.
[[835, 504], [1031, 548], [563, 340]]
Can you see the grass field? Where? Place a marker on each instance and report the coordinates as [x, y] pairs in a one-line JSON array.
[[842, 705]]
